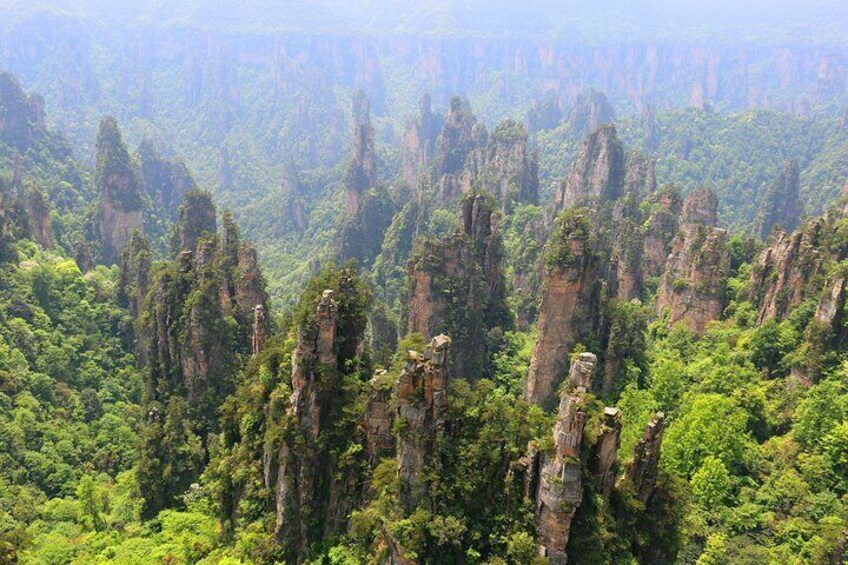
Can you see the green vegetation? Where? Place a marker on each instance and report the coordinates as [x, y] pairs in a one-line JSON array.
[[167, 410]]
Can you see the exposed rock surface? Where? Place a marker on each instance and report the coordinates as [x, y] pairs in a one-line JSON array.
[[368, 210], [660, 229], [642, 471], [783, 274], [197, 220], [297, 487], [361, 168], [456, 286], [590, 111], [560, 485], [260, 328], [455, 140], [121, 200], [570, 302], [38, 216], [692, 285], [22, 118], [510, 173], [545, 113], [598, 172], [200, 312], [422, 399], [419, 143], [379, 418], [166, 181], [650, 127], [604, 465], [314, 485], [136, 261], [780, 205]]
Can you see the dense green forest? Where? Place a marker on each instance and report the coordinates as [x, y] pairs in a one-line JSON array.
[[421, 299]]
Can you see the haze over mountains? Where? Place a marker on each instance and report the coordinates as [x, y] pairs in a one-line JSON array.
[[423, 283]]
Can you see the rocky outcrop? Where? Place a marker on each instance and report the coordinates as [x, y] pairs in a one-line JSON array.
[[361, 168], [419, 143], [598, 173], [455, 139], [422, 400], [545, 113], [121, 199], [660, 229], [692, 287], [783, 274], [650, 127], [642, 471], [297, 486], [260, 328], [38, 217], [379, 418], [590, 111], [604, 464], [136, 262], [780, 205], [249, 283], [560, 489], [22, 119], [458, 139], [197, 220], [165, 181], [456, 286], [569, 307], [317, 479], [201, 311], [510, 173], [369, 209], [700, 207]]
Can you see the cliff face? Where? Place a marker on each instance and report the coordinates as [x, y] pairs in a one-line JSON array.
[[545, 113], [21, 116], [315, 486], [361, 168], [455, 140], [121, 200], [556, 479], [642, 470], [510, 173], [379, 419], [196, 323], [783, 272], [780, 203], [136, 261], [470, 159], [369, 209], [197, 219], [297, 488], [560, 484], [598, 172], [456, 286], [569, 307], [165, 181], [38, 216], [419, 143], [692, 286], [590, 111], [660, 229], [422, 397], [604, 464]]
